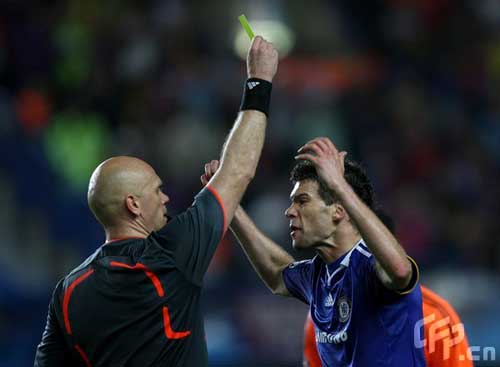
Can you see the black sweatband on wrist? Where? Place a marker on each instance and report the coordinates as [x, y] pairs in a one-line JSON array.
[[257, 95]]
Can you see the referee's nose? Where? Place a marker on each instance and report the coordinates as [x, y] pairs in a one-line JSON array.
[[165, 198]]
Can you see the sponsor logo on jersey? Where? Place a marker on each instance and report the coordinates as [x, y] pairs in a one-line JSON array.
[[331, 338]]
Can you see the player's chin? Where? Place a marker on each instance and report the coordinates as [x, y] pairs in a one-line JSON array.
[[297, 244]]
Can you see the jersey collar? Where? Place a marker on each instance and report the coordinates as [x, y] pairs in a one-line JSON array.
[[342, 262]]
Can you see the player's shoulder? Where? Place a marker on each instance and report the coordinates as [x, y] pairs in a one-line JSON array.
[[362, 251], [359, 258], [302, 263]]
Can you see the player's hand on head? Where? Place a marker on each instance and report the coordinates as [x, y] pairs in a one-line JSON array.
[[329, 162], [262, 59], [210, 169]]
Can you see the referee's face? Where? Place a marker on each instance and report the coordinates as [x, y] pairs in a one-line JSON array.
[[311, 220], [153, 201]]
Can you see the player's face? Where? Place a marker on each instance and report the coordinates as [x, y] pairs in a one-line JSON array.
[[153, 203], [311, 220]]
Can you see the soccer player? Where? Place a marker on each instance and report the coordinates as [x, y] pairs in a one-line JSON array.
[[441, 320], [136, 301], [361, 287]]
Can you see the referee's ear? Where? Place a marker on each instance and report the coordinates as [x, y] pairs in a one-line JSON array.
[[133, 205]]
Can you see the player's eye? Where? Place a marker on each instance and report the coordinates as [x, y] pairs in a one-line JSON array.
[[302, 201]]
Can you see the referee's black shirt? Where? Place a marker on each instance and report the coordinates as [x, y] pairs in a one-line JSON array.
[[136, 302]]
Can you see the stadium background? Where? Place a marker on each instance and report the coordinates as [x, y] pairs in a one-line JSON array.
[[408, 87]]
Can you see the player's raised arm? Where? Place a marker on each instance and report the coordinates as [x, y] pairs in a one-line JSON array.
[[244, 144], [393, 266], [267, 258]]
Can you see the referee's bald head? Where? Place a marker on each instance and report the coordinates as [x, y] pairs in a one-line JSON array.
[[112, 182]]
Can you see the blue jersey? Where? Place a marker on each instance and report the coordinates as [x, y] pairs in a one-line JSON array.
[[358, 322]]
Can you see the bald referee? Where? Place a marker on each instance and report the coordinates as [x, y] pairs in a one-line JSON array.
[[136, 301]]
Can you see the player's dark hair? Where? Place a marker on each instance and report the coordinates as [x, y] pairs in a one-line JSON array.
[[354, 174]]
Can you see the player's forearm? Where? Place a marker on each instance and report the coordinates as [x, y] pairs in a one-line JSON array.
[[267, 258], [383, 245]]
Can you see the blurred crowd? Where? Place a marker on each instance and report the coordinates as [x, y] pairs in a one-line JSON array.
[[407, 87]]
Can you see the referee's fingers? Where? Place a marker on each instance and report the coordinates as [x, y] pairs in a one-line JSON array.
[[256, 43]]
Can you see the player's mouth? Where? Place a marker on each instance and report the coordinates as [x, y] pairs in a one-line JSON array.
[[294, 230]]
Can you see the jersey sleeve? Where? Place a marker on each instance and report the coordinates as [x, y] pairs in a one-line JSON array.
[[375, 286], [298, 279], [192, 236], [52, 350]]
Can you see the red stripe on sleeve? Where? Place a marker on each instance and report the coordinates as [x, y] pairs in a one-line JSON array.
[[67, 296], [221, 203]]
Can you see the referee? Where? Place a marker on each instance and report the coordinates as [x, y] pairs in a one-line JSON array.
[[136, 301]]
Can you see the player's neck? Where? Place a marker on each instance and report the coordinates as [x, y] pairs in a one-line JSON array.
[[343, 242]]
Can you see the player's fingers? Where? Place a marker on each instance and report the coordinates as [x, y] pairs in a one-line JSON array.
[[309, 142], [323, 145], [313, 146], [207, 169], [214, 165], [327, 145], [203, 179], [330, 144], [316, 142], [342, 157], [342, 161], [306, 157]]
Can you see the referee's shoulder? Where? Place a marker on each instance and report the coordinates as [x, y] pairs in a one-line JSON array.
[[81, 269]]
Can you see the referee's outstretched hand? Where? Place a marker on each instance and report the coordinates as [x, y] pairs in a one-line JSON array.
[[329, 162], [262, 59]]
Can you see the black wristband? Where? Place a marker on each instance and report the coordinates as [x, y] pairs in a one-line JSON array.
[[257, 95]]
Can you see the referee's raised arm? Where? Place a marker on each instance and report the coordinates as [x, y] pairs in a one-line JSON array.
[[244, 144]]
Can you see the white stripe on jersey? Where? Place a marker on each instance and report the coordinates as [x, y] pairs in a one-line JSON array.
[[363, 251]]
